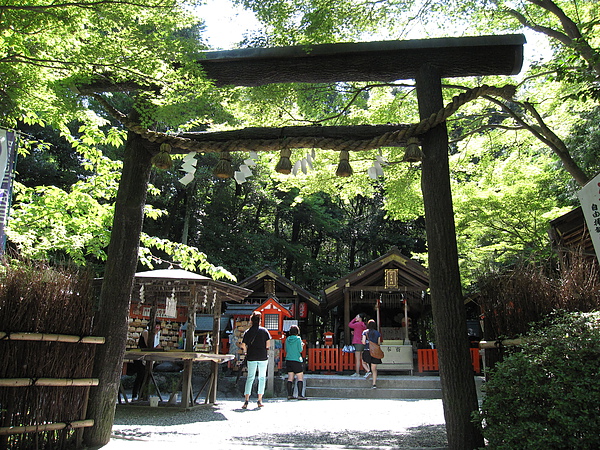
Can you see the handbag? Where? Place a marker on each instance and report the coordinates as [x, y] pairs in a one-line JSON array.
[[375, 351], [349, 348]]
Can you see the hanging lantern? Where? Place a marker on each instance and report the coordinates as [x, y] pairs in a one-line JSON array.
[[284, 165], [303, 310], [223, 168], [344, 169], [413, 152], [162, 160]]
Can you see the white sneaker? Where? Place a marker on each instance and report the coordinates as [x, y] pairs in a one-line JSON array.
[[367, 375], [355, 374]]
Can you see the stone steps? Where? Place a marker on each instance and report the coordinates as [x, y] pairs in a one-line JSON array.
[[388, 386]]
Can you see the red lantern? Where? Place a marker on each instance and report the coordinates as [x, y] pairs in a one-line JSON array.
[[303, 310]]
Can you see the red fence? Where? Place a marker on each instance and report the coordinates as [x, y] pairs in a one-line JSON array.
[[331, 360], [427, 360]]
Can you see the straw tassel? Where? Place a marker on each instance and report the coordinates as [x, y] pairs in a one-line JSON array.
[[162, 160], [344, 169], [223, 168], [284, 165]]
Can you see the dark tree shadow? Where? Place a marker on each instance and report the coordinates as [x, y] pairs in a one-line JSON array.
[[422, 437], [145, 415]]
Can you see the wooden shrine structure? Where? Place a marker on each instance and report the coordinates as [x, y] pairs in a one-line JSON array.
[[569, 233], [305, 307], [394, 283], [176, 293]]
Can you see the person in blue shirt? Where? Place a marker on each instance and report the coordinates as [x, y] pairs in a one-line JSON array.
[[294, 363], [371, 335]]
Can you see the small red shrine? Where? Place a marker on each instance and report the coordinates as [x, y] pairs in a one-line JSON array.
[[273, 314]]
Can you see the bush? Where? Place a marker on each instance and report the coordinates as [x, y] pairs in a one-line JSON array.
[[547, 395]]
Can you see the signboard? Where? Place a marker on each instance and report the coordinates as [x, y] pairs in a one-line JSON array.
[[589, 196], [8, 157]]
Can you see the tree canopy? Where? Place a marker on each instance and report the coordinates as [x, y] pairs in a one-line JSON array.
[[50, 48]]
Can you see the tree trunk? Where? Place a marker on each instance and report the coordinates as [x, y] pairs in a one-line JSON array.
[[290, 261], [116, 290], [188, 204], [459, 394]]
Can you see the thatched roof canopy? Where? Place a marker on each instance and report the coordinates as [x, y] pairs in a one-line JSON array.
[[183, 283]]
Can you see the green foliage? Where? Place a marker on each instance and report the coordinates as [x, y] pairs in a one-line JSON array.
[[189, 258], [503, 204], [74, 223], [546, 395], [48, 221], [585, 140], [47, 49], [311, 236], [317, 21], [48, 160], [503, 197]]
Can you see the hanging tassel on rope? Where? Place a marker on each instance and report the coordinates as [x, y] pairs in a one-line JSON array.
[[223, 169], [162, 160], [284, 165]]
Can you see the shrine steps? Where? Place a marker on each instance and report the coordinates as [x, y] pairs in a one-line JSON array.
[[388, 386]]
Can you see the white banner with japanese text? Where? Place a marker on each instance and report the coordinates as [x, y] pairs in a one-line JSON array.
[[8, 158], [589, 196]]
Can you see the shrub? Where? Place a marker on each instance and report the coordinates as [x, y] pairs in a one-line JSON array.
[[547, 394]]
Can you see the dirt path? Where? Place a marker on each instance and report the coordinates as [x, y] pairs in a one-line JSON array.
[[314, 423]]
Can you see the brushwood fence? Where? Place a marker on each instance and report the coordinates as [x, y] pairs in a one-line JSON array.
[[47, 357]]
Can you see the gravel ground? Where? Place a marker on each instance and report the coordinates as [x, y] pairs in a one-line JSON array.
[[316, 423]]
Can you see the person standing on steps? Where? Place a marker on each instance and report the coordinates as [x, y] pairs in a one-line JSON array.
[[371, 335], [294, 363], [358, 326], [254, 345]]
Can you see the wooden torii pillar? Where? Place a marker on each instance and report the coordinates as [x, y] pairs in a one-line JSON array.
[[427, 62]]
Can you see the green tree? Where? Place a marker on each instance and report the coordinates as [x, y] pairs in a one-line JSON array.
[[503, 204]]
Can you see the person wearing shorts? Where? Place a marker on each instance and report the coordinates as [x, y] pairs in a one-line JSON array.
[[358, 326], [293, 363], [371, 335]]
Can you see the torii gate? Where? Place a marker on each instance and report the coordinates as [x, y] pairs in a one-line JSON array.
[[425, 61]]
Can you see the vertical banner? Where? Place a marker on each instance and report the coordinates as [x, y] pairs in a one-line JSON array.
[[8, 157], [589, 196]]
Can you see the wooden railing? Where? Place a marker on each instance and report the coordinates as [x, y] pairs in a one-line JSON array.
[[427, 360], [331, 360]]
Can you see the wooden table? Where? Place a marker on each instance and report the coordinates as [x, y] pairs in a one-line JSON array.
[[188, 358]]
